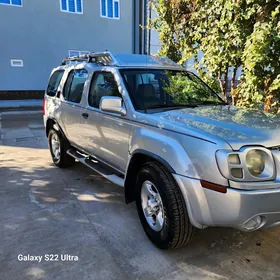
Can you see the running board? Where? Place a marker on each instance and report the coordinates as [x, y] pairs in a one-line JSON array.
[[96, 167]]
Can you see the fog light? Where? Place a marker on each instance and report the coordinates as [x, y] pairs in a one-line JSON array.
[[237, 173], [254, 223]]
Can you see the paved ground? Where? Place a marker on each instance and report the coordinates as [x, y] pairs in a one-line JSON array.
[[46, 210]]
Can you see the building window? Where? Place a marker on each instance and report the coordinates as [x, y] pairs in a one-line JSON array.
[[110, 8], [11, 2], [76, 53], [71, 6]]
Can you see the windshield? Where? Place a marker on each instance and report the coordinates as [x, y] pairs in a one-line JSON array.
[[156, 88]]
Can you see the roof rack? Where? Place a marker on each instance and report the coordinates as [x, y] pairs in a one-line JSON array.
[[108, 58], [104, 58]]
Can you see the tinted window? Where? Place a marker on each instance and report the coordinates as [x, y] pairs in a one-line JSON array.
[[54, 82], [153, 88], [103, 84], [74, 85]]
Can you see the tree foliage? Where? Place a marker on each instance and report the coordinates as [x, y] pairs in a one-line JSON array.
[[231, 34], [188, 89]]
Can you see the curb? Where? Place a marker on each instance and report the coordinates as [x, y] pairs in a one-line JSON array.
[[15, 115], [21, 105], [20, 108], [22, 113]]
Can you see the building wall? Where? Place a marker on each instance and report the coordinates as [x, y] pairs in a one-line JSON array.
[[155, 43], [41, 35]]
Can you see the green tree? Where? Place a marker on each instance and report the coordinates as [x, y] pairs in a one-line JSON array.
[[231, 34], [260, 83]]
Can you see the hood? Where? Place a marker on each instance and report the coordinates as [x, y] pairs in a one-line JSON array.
[[237, 126]]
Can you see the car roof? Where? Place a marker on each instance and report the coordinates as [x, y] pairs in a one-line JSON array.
[[120, 61]]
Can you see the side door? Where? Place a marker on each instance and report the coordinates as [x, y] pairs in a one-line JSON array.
[[105, 135], [71, 106]]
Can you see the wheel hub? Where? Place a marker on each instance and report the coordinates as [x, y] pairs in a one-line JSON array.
[[152, 205], [55, 146]]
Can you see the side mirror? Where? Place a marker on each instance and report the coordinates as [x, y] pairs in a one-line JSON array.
[[112, 104]]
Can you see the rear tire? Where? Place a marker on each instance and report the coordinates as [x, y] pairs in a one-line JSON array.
[[174, 229], [58, 148]]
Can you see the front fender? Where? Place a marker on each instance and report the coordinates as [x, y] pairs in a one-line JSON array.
[[165, 149]]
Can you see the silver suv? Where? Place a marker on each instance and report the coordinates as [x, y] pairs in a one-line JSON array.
[[187, 158]]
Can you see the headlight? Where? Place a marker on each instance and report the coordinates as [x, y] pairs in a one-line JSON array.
[[248, 164], [255, 162]]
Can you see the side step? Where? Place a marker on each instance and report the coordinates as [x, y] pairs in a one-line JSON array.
[[96, 167]]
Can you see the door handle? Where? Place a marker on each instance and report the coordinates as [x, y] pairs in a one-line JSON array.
[[85, 115]]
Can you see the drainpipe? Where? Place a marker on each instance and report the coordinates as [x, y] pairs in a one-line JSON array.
[[149, 31], [135, 23], [140, 34]]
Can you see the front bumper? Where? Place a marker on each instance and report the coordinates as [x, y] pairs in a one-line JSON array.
[[232, 209]]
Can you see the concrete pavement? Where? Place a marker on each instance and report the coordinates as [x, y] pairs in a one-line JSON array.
[[46, 210]]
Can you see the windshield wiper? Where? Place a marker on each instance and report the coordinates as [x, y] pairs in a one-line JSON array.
[[171, 106], [212, 103]]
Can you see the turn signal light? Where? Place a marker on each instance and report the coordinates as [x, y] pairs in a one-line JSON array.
[[213, 187]]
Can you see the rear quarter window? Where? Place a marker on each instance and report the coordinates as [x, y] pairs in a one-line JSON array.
[[54, 82]]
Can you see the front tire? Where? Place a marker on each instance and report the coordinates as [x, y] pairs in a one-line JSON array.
[[161, 207], [58, 148]]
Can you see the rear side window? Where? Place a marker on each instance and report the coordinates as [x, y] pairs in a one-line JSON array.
[[74, 85], [54, 82]]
